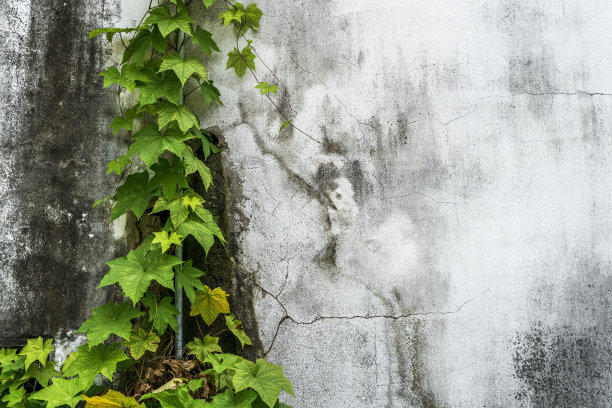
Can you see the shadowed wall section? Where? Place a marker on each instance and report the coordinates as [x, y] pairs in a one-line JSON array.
[[55, 141]]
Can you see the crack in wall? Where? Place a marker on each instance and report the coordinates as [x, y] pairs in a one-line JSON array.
[[288, 317]]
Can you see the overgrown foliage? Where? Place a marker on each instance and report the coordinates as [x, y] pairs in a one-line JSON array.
[[169, 149]]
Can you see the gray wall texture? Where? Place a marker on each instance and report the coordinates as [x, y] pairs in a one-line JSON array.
[[447, 246]]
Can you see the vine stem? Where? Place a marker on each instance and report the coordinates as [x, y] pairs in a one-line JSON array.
[[278, 109], [218, 333], [178, 350]]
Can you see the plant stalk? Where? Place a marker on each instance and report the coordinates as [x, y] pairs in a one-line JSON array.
[[178, 346]]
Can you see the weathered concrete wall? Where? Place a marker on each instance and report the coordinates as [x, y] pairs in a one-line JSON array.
[[450, 245], [447, 246], [54, 143]]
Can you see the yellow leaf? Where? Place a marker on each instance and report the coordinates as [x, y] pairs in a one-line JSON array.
[[209, 303], [112, 399]]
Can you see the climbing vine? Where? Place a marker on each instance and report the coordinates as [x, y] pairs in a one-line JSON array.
[[127, 361]]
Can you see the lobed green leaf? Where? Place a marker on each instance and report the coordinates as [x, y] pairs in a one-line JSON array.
[[135, 271], [93, 360], [61, 392], [241, 60], [133, 195], [167, 22], [183, 68], [109, 319], [187, 278], [169, 177], [161, 314], [204, 38], [265, 378]]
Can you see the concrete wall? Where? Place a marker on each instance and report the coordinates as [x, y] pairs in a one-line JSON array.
[[448, 243], [449, 246], [54, 143]]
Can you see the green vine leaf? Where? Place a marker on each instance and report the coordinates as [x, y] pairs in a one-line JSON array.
[[242, 60], [118, 165], [203, 232], [43, 374], [126, 122], [210, 92], [166, 239], [133, 195], [177, 398], [204, 38], [15, 397], [167, 22], [183, 68], [162, 314], [140, 342], [195, 384], [111, 31], [201, 349], [209, 303], [158, 86], [126, 78], [284, 125], [169, 112], [188, 279], [141, 44], [109, 319], [208, 145], [258, 403], [265, 378], [231, 15], [179, 210], [36, 350], [235, 326], [93, 360], [61, 392], [223, 362], [266, 88], [7, 356], [209, 3], [193, 164], [150, 143], [100, 201], [135, 272], [169, 176], [13, 366], [192, 199], [252, 15], [229, 399]]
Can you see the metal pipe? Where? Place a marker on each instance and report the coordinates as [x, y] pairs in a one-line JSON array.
[[178, 346]]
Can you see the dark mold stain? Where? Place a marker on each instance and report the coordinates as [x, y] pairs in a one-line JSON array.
[[328, 255], [59, 168], [563, 367], [327, 173], [362, 187], [220, 267]]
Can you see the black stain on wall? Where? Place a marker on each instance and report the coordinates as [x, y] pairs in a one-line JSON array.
[[220, 267], [563, 367], [59, 172]]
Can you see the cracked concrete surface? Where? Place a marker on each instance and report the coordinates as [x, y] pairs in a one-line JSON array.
[[412, 259], [447, 245]]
